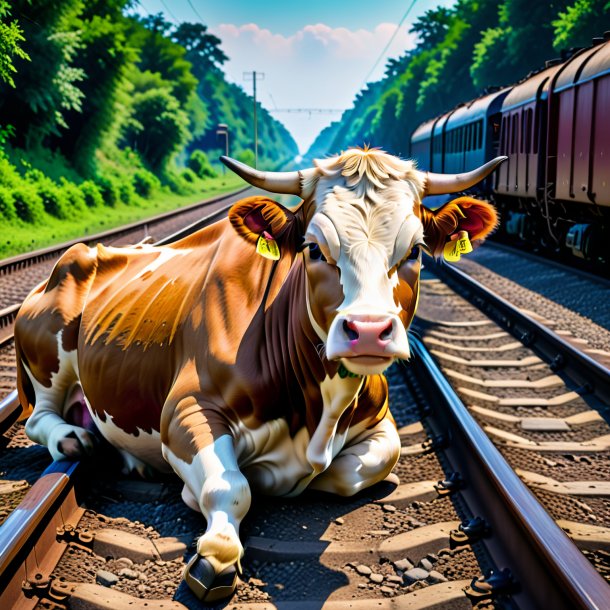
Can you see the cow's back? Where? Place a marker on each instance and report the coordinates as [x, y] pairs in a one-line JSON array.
[[49, 320]]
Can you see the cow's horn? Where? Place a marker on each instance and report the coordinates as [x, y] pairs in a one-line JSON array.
[[288, 183], [440, 184]]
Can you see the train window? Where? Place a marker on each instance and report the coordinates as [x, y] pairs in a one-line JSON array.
[[514, 132], [480, 139], [468, 130], [523, 115], [502, 147], [536, 127], [528, 130]]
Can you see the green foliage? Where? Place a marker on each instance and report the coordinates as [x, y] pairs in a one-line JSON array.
[[581, 20], [74, 196], [127, 191], [92, 195], [48, 86], [157, 53], [189, 175], [53, 198], [145, 183], [28, 203], [11, 37], [9, 176], [104, 57], [200, 164], [246, 156], [157, 126], [110, 188], [7, 205]]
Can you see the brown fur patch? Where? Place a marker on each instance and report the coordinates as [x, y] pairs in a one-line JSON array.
[[254, 215], [478, 218]]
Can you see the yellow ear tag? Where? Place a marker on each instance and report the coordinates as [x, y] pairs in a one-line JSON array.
[[267, 247], [459, 244]]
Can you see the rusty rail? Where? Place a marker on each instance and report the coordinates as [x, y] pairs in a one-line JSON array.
[[550, 570], [588, 373]]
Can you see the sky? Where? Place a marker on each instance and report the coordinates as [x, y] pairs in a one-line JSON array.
[[314, 54]]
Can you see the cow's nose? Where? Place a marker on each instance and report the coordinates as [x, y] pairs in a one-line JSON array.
[[368, 335]]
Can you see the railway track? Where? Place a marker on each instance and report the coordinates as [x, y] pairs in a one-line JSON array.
[[391, 546]]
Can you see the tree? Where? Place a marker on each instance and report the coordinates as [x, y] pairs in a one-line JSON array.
[[580, 21], [157, 53], [202, 48], [104, 57], [432, 27], [157, 127], [11, 37], [49, 87]]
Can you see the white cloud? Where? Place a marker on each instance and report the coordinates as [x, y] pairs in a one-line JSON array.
[[316, 67]]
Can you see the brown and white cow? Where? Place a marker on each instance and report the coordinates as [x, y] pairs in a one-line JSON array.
[[237, 371]]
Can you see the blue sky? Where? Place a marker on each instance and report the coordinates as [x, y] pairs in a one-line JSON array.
[[314, 54]]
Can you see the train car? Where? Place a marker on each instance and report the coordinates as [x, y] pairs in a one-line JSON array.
[[520, 181], [461, 139], [554, 127], [579, 151]]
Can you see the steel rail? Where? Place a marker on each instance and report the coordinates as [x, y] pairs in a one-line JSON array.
[[30, 530], [550, 570], [588, 373]]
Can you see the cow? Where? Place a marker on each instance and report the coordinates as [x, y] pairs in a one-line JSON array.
[[250, 354]]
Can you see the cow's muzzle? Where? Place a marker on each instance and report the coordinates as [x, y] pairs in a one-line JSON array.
[[367, 342]]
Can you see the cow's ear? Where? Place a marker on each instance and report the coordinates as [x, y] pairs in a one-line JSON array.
[[477, 218], [256, 216]]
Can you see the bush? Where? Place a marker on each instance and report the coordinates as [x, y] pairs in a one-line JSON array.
[[247, 157], [73, 196], [28, 204], [126, 191], [53, 198], [9, 176], [92, 195], [200, 164], [189, 175], [177, 183], [145, 183], [7, 206], [110, 188]]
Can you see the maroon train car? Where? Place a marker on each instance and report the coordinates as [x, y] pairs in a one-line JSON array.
[[555, 130]]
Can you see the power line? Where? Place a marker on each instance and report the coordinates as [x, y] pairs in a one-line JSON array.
[[195, 11], [176, 21], [389, 43]]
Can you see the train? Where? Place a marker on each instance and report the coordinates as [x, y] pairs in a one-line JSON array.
[[554, 127]]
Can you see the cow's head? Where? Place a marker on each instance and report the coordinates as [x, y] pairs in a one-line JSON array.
[[364, 228]]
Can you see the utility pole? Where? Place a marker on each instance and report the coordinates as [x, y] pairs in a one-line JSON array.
[[253, 76]]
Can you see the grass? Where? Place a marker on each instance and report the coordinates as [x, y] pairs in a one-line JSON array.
[[20, 237]]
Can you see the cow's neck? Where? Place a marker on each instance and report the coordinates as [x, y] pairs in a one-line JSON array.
[[293, 354]]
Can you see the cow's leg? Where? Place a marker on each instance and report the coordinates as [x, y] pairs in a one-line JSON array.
[[47, 424], [214, 485], [367, 460]]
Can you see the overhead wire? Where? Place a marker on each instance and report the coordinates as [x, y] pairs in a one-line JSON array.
[[387, 46]]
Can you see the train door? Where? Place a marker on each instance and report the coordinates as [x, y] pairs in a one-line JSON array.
[[565, 135], [601, 143], [583, 133]]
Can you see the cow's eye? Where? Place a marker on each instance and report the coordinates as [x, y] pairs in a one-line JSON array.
[[414, 254], [315, 253]]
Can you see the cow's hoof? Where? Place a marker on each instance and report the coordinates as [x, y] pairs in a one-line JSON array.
[[73, 447], [205, 584]]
